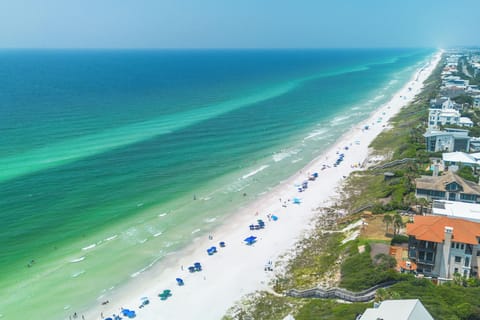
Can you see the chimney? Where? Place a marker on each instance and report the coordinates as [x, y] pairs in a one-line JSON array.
[[445, 267]]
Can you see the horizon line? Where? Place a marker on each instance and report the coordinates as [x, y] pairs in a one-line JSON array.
[[226, 48]]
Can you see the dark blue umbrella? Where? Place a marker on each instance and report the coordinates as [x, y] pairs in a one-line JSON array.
[[180, 281], [250, 240]]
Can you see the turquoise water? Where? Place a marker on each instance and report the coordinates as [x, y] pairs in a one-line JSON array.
[[102, 152]]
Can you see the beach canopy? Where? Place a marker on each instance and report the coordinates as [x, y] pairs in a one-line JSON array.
[[296, 200], [180, 281], [274, 218]]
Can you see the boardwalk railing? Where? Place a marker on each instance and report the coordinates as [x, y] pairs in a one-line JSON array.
[[339, 293], [393, 163]]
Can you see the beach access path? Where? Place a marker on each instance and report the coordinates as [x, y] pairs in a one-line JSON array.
[[238, 269]]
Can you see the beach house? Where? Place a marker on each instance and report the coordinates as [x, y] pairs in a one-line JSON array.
[[444, 111], [405, 309], [455, 160], [476, 101], [453, 86], [448, 186], [447, 140], [456, 209], [443, 246]]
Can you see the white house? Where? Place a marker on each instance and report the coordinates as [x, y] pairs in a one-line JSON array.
[[448, 140], [456, 209], [447, 114], [405, 309]]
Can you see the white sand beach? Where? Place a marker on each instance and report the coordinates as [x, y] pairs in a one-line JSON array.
[[238, 269]]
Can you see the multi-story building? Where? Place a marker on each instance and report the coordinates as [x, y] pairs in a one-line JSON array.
[[442, 246], [444, 111], [447, 140]]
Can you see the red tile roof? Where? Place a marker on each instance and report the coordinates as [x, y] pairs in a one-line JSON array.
[[432, 228]]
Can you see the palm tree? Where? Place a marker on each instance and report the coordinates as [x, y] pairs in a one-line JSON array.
[[387, 219], [397, 223]]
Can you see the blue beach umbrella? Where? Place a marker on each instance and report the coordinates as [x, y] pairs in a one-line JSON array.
[[250, 240]]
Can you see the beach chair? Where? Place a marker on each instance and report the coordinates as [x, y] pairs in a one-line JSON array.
[[197, 266], [191, 269], [222, 244]]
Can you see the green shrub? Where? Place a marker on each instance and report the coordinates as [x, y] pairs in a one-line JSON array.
[[399, 239]]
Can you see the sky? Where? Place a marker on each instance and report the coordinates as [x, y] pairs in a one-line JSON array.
[[238, 23]]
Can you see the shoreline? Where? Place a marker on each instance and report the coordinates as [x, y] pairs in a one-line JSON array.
[[238, 269]]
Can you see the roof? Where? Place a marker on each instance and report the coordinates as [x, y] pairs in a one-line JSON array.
[[432, 228], [468, 158], [456, 209], [465, 120], [454, 133], [406, 309], [440, 182]]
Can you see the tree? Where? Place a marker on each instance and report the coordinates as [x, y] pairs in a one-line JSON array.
[[387, 219], [397, 223]]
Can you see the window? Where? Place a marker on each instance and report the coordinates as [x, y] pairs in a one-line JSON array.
[[467, 262], [468, 197], [453, 245], [465, 273], [455, 270], [462, 246], [458, 259], [429, 256], [421, 255]]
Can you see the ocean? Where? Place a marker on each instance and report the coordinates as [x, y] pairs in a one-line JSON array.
[[110, 160]]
